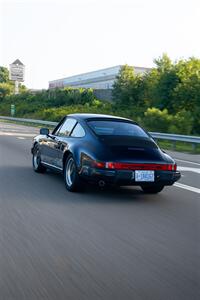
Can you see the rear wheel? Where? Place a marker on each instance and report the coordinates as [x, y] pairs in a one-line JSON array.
[[72, 179], [36, 160], [152, 189]]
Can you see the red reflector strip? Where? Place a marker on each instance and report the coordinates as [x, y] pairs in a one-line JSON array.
[[128, 166]]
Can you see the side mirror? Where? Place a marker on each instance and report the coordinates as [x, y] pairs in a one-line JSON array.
[[44, 131]]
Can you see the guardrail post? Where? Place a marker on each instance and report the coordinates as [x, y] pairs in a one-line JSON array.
[[174, 145], [193, 147]]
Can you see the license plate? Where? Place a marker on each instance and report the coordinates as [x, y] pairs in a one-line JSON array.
[[147, 176]]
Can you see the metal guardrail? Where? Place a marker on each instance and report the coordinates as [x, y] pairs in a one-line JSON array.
[[156, 135], [194, 140], [32, 121], [176, 137]]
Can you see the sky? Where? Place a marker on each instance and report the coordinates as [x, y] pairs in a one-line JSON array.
[[61, 38]]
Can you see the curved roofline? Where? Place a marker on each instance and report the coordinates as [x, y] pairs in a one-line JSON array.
[[86, 116]]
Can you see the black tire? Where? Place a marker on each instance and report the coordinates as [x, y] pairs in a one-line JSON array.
[[72, 179], [36, 161], [153, 189]]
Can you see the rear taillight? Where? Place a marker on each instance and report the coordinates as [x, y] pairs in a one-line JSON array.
[[171, 167], [174, 167], [130, 166], [110, 165]]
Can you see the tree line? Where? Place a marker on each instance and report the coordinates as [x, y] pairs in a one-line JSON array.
[[165, 99]]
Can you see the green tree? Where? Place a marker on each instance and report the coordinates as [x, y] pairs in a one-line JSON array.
[[127, 88], [160, 83], [4, 74], [175, 87], [5, 89], [186, 95], [187, 92], [163, 63]]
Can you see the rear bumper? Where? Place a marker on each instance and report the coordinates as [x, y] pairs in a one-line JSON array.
[[126, 177]]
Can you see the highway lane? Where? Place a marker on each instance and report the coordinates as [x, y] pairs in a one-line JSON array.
[[111, 244], [189, 165]]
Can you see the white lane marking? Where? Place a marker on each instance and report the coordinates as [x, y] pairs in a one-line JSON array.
[[187, 161], [17, 134], [189, 169], [21, 138], [187, 187]]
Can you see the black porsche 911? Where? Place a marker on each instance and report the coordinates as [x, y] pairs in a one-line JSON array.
[[103, 149]]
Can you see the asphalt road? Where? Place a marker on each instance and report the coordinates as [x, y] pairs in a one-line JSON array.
[[112, 244]]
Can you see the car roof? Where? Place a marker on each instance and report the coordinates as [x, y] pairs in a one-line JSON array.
[[86, 116]]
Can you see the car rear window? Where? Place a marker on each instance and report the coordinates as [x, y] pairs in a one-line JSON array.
[[102, 127]]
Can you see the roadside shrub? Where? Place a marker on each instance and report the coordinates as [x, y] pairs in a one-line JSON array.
[[29, 103], [157, 120], [162, 121], [182, 123], [55, 114]]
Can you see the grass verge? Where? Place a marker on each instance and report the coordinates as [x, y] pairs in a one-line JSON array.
[[179, 146]]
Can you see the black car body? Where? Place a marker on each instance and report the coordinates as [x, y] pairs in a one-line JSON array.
[[103, 149]]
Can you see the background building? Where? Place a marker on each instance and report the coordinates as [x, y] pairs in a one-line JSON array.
[[101, 81]]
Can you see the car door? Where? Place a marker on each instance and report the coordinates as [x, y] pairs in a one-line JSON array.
[[46, 144], [58, 141]]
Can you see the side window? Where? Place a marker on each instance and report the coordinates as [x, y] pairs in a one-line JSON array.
[[78, 131], [67, 127], [58, 126]]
